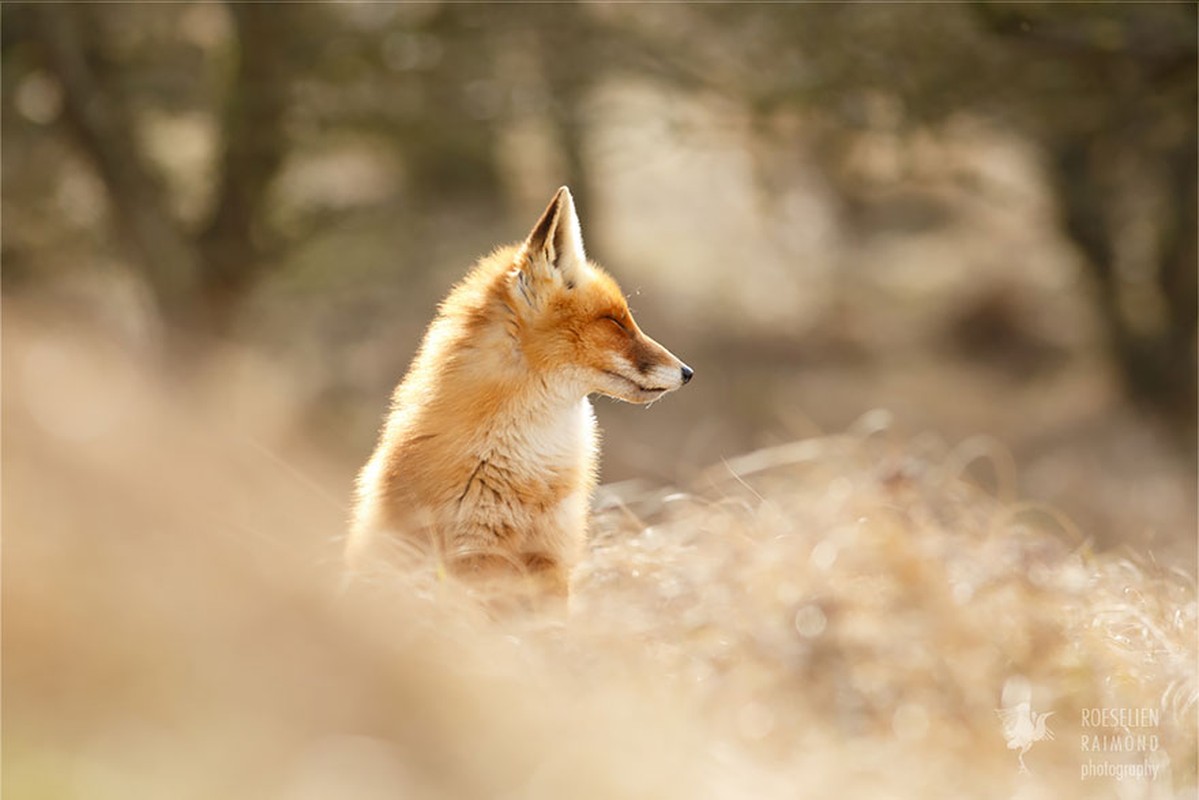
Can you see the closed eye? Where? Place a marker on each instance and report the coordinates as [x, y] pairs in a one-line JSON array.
[[615, 321]]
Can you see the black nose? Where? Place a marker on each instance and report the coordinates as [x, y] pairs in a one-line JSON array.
[[687, 373]]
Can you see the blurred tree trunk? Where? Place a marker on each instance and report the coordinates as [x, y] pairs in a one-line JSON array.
[[564, 37], [1134, 97], [449, 145], [102, 121], [197, 280], [252, 152], [1158, 365], [1178, 275]]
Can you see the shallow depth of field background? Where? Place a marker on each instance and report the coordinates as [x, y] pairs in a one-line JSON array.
[[950, 247]]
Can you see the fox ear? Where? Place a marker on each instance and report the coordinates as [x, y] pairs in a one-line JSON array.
[[556, 242]]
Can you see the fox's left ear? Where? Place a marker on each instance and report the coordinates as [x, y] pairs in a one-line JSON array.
[[556, 243]]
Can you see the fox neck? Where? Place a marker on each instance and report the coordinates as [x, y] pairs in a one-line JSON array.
[[489, 386], [535, 432], [533, 403]]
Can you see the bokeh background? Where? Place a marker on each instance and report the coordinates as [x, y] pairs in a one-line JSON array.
[[949, 248], [980, 216]]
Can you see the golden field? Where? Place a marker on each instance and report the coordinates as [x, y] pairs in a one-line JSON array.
[[844, 615]]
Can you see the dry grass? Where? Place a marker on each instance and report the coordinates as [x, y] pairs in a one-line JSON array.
[[837, 617]]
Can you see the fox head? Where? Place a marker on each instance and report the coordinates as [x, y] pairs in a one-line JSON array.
[[571, 315]]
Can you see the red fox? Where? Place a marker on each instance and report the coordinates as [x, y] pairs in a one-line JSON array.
[[488, 455]]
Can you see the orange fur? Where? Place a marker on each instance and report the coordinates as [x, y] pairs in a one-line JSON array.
[[488, 456]]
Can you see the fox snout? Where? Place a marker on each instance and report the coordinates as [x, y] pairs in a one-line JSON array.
[[645, 372]]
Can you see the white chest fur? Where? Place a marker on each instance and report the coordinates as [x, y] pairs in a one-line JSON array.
[[533, 480], [561, 437], [540, 445]]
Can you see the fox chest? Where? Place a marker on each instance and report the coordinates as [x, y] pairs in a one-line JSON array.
[[530, 471]]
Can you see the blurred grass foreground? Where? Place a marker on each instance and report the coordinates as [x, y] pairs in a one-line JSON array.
[[848, 613], [225, 226]]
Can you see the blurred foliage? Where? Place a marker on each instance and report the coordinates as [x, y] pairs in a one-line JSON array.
[[1106, 91]]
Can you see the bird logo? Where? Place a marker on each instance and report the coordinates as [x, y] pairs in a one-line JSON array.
[[1022, 727]]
